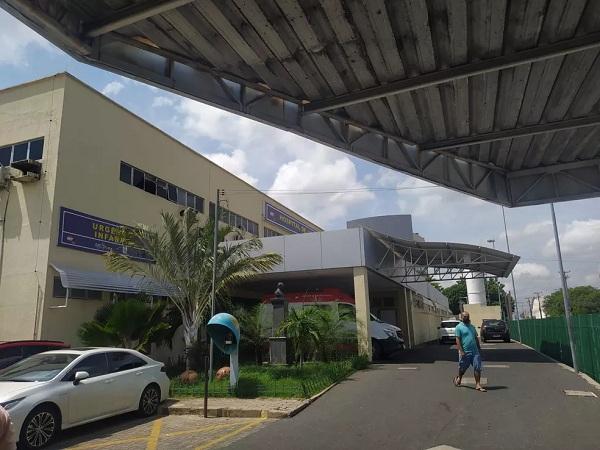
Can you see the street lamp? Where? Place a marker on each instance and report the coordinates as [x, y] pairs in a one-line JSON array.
[[512, 277], [214, 275], [493, 242]]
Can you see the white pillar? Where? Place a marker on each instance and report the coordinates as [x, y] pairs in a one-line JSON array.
[[363, 310]]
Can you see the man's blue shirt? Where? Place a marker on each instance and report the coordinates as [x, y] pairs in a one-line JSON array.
[[468, 338]]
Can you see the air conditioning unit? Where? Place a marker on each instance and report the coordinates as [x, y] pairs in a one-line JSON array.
[[4, 176], [25, 171]]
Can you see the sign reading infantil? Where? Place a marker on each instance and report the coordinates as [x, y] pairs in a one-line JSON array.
[[92, 234], [284, 220]]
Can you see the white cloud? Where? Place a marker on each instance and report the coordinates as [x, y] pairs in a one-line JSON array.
[[236, 163], [531, 271], [323, 171], [16, 39], [581, 237], [162, 101], [113, 88]]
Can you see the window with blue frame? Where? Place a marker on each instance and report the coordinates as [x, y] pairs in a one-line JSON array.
[[33, 149], [159, 187]]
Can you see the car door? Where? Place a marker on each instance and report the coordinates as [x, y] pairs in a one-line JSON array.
[[92, 397], [127, 373]]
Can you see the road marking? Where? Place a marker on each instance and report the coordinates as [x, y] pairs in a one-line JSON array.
[[109, 443], [580, 393], [443, 447], [468, 380], [408, 368], [154, 435], [230, 434], [199, 430], [497, 366]]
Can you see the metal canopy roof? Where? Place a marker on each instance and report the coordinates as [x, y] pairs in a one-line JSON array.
[[412, 261], [494, 98], [73, 278]]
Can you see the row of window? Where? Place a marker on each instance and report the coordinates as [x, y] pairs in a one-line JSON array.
[[156, 186], [271, 233], [33, 149], [234, 220]]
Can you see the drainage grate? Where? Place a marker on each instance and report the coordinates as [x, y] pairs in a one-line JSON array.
[[408, 368]]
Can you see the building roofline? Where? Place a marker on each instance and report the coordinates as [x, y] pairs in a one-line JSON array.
[[67, 75]]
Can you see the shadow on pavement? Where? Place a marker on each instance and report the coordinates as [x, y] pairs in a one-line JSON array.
[[431, 353], [102, 429]]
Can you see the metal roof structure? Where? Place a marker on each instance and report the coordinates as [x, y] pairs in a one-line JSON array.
[[413, 261], [494, 98]]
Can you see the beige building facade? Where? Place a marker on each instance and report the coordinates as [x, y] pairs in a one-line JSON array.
[[101, 167]]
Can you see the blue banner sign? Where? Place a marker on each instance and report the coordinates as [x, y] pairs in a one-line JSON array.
[[284, 220], [92, 234]]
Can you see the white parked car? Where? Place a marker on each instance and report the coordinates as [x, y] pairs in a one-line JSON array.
[[446, 330], [60, 389]]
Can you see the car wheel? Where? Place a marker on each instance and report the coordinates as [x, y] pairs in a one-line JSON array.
[[40, 427], [149, 401], [377, 350], [441, 341], [507, 339], [482, 339]]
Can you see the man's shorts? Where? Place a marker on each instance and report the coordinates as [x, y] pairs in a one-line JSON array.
[[467, 359]]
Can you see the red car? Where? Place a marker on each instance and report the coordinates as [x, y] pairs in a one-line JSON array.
[[13, 351]]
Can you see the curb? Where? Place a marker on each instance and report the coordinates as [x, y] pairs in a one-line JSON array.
[[312, 399], [585, 376], [171, 410], [226, 412]]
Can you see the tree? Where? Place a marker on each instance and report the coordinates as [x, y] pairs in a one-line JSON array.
[[253, 330], [584, 300], [332, 329], [302, 328], [456, 293], [182, 254], [128, 323]]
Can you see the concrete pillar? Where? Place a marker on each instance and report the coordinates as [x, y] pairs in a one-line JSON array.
[[363, 310], [402, 308]]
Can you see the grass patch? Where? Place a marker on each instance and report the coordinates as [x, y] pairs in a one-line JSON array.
[[274, 381]]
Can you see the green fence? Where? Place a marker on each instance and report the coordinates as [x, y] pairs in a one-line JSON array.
[[549, 336]]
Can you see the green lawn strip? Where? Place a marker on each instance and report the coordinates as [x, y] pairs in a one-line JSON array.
[[273, 381]]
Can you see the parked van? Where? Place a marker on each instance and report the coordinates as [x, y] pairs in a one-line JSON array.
[[385, 338]]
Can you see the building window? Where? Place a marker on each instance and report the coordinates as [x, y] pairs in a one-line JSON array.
[[156, 186], [59, 291], [270, 233], [233, 220], [33, 149]]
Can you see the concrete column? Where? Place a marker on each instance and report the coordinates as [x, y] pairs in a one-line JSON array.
[[401, 303], [408, 295], [363, 309]]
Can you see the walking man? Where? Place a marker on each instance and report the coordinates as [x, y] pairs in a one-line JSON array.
[[469, 351]]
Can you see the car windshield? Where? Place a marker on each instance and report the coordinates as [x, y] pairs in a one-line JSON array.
[[40, 367], [493, 323], [450, 324]]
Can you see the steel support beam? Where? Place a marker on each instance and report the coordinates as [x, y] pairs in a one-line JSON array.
[[189, 78], [562, 48], [512, 133], [136, 13]]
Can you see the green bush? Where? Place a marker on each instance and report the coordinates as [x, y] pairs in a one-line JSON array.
[[360, 362]]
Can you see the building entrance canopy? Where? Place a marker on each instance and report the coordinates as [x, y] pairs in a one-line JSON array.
[[496, 99], [412, 261]]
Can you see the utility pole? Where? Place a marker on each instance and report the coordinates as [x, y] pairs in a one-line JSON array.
[[511, 275], [565, 289], [493, 242], [214, 277]]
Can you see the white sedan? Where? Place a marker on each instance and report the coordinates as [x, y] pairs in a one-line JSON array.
[[56, 390]]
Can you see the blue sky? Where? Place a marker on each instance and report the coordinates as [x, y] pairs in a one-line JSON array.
[[272, 159]]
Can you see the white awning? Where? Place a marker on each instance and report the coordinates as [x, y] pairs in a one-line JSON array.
[[72, 278]]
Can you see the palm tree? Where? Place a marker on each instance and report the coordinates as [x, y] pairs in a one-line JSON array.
[[128, 323], [253, 330], [332, 330], [302, 328], [182, 253]]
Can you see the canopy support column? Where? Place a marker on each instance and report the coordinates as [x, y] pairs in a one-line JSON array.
[[363, 310]]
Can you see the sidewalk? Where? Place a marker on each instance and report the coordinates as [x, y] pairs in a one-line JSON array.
[[271, 408]]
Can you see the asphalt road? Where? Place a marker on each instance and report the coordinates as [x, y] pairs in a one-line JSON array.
[[392, 406]]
